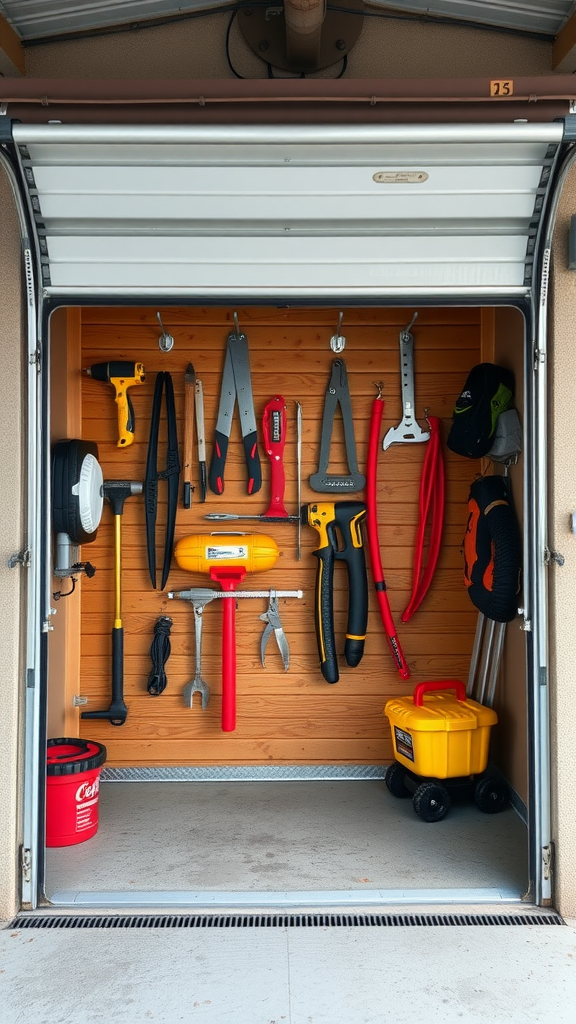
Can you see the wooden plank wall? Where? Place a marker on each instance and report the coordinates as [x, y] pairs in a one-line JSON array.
[[292, 717]]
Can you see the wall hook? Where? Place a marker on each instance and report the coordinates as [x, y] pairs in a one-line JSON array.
[[165, 341], [338, 341]]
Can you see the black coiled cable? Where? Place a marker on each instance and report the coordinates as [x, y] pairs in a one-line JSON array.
[[159, 653]]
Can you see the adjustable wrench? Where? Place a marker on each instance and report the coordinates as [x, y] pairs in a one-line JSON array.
[[197, 684]]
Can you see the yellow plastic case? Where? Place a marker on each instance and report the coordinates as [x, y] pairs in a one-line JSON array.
[[440, 735], [255, 552]]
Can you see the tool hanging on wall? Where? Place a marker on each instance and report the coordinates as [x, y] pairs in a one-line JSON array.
[[121, 375], [199, 597], [236, 384], [338, 394], [189, 391], [197, 684], [332, 521], [373, 540], [431, 508], [409, 430], [117, 492], [77, 500], [274, 433], [299, 474], [159, 654], [171, 474], [273, 626], [200, 436], [227, 558]]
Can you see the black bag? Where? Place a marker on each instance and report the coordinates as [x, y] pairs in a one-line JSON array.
[[492, 550], [488, 391]]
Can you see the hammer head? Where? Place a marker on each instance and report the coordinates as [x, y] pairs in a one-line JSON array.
[[117, 491]]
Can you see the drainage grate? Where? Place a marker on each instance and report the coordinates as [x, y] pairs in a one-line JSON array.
[[283, 920]]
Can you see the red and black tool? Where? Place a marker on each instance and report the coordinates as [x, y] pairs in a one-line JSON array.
[[373, 541], [274, 431]]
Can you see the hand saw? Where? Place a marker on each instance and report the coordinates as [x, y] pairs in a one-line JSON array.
[[236, 384]]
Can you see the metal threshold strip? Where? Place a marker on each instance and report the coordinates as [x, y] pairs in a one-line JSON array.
[[240, 921], [285, 900]]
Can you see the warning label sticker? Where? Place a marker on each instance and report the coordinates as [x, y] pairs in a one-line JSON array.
[[404, 744], [223, 554]]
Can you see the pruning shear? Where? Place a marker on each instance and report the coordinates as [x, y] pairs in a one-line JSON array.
[[236, 384]]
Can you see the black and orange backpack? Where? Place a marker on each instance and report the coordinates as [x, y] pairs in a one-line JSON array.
[[492, 549]]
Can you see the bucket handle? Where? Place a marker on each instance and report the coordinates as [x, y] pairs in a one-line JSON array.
[[441, 684]]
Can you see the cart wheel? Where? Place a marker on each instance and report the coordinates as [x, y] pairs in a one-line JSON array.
[[395, 776], [491, 794], [431, 801]]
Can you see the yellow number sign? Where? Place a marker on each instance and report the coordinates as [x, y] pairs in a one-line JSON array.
[[501, 87]]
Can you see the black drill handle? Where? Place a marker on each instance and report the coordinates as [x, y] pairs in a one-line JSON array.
[[349, 516], [216, 474], [324, 614], [130, 417], [252, 462], [117, 712]]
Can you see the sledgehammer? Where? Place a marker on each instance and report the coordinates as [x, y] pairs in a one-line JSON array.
[[116, 492]]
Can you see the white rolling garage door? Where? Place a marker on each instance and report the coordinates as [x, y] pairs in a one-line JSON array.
[[264, 212]]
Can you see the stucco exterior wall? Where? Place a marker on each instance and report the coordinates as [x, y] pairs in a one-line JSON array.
[[11, 540], [386, 48], [563, 579]]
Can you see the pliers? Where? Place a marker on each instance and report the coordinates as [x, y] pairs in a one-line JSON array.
[[273, 625]]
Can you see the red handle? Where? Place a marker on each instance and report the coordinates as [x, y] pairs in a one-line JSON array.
[[274, 432], [441, 684], [228, 579]]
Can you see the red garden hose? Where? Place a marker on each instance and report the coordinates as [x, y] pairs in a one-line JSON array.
[[373, 542]]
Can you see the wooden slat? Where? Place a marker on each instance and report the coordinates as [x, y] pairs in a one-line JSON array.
[[292, 717]]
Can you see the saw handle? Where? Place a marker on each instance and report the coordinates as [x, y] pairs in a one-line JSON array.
[[274, 433], [349, 516], [250, 442], [324, 613], [216, 475]]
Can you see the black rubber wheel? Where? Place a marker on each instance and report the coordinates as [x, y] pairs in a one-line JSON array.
[[431, 801], [491, 794], [395, 780]]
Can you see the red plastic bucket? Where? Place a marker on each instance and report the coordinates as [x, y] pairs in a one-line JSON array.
[[73, 782]]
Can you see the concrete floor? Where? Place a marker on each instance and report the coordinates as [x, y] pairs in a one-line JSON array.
[[338, 837], [458, 975]]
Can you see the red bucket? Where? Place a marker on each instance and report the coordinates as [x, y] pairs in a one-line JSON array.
[[73, 770]]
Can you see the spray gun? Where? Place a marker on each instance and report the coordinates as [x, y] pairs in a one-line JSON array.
[[121, 375]]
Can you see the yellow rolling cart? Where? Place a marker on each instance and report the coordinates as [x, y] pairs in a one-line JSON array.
[[441, 736]]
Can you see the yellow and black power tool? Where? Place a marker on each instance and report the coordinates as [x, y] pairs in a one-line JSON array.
[[121, 375], [334, 520]]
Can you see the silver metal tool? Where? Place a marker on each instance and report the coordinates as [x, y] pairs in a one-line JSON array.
[[200, 436], [198, 684], [338, 394], [165, 341], [409, 430], [273, 625], [236, 384], [205, 594], [299, 471]]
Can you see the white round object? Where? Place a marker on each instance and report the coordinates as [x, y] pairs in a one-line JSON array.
[[90, 494]]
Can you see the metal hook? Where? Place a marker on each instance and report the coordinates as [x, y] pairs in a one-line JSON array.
[[236, 324], [165, 341], [410, 325], [338, 341], [380, 385]]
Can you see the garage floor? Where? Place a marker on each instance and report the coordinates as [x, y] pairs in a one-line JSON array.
[[335, 841]]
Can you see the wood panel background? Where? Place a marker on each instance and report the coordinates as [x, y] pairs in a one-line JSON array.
[[292, 717]]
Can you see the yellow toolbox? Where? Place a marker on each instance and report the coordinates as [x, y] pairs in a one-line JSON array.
[[439, 735]]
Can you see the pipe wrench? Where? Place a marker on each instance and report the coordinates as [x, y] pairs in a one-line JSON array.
[[236, 384]]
